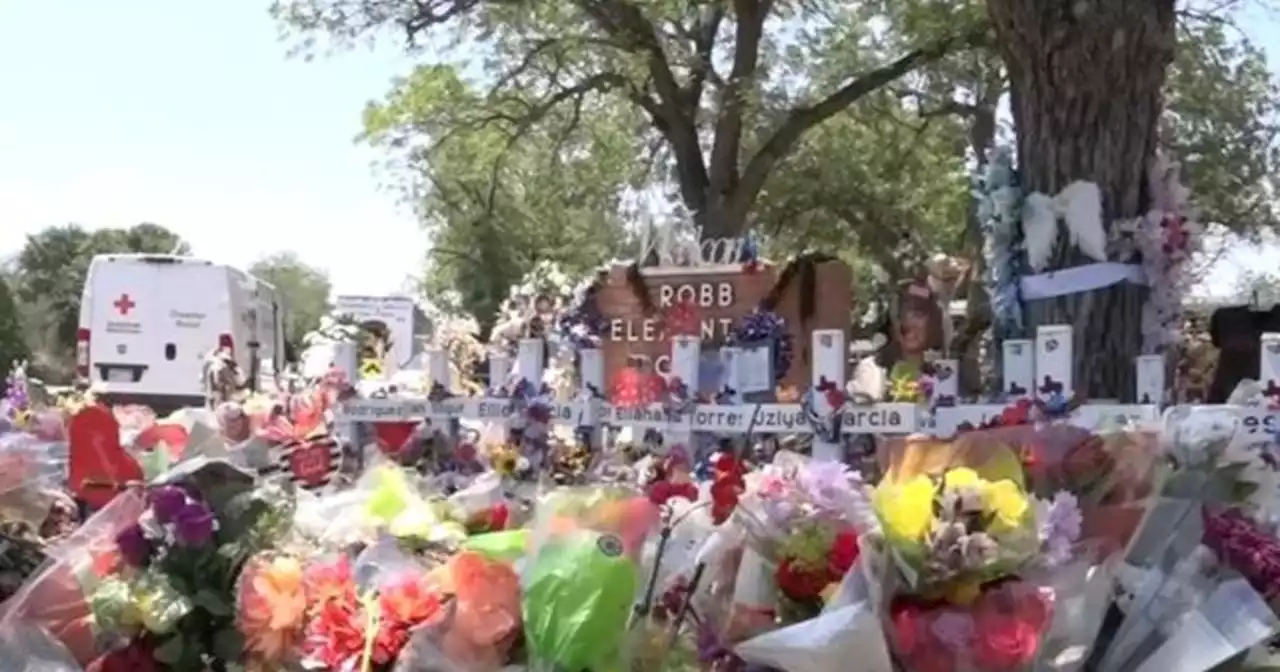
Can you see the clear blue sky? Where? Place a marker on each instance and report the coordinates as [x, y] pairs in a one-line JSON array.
[[191, 116]]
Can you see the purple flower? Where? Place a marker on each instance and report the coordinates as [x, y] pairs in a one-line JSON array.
[[194, 524], [167, 501], [1060, 522], [134, 546], [830, 486]]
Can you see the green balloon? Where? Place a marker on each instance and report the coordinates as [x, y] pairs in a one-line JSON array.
[[578, 595], [508, 545]]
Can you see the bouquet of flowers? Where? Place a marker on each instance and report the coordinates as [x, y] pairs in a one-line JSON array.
[[582, 577], [318, 613], [168, 585], [965, 558], [804, 518]]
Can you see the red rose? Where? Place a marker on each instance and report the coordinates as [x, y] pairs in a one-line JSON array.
[[659, 492], [801, 584], [844, 552], [1003, 642], [1035, 608], [498, 515], [138, 656], [909, 630], [933, 659]]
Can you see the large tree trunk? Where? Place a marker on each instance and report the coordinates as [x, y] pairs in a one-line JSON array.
[[1086, 78]]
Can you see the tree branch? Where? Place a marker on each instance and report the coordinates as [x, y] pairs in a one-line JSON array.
[[802, 119], [727, 143], [623, 20]]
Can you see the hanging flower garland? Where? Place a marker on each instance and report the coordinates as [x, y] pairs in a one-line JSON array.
[[768, 326], [581, 323], [1167, 237], [999, 204]]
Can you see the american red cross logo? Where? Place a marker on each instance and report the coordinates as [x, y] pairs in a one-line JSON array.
[[124, 304]]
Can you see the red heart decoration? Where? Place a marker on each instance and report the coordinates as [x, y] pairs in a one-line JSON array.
[[172, 435], [98, 465], [625, 392], [654, 386], [392, 436], [683, 319], [311, 463]]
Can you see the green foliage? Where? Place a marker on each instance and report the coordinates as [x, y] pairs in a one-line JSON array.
[[494, 209], [846, 127], [304, 289], [1224, 122], [1257, 287], [12, 345], [49, 279]]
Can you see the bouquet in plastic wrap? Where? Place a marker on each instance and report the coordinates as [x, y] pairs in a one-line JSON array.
[[155, 577], [53, 608], [756, 590], [582, 576], [965, 565], [381, 610], [1210, 607]]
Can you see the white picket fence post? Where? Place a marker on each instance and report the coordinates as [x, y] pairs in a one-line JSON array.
[[1019, 368], [438, 368], [686, 355], [591, 374], [830, 355], [499, 370], [530, 360], [730, 359]]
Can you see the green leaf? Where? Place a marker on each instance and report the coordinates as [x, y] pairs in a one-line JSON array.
[[228, 644], [1243, 491], [1232, 471], [170, 652], [212, 603]]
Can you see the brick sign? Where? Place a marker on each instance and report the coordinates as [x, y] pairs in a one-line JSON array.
[[723, 296]]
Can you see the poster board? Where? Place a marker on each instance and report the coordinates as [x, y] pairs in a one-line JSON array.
[[723, 295]]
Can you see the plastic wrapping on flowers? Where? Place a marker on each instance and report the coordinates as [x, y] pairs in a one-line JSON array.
[[582, 576], [994, 547]]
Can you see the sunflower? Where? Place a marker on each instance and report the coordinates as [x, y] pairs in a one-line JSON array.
[[504, 460]]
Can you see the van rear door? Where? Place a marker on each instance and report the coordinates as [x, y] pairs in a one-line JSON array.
[[120, 322], [154, 321], [196, 319]]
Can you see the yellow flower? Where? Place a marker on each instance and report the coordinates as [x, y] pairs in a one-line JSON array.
[[962, 477], [906, 510], [505, 461], [963, 593], [1008, 502]]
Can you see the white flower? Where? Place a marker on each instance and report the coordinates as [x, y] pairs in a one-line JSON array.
[[1199, 435]]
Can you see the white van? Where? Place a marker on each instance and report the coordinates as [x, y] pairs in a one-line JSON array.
[[147, 323]]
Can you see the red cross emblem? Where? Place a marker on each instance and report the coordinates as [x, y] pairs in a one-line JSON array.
[[124, 304]]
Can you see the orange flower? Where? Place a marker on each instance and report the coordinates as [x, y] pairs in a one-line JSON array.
[[487, 612], [272, 605], [409, 602], [330, 581]]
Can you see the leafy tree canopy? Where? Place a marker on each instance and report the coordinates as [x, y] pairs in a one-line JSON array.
[[12, 345], [304, 289], [849, 127], [495, 209]]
